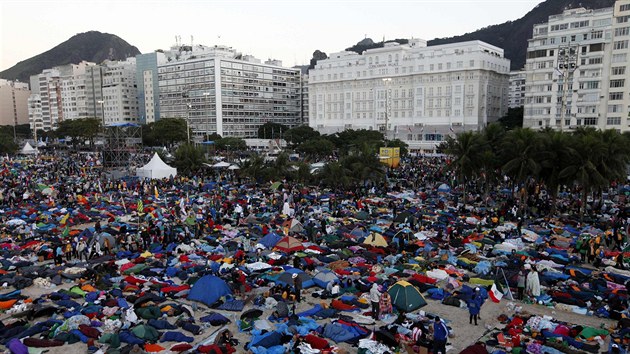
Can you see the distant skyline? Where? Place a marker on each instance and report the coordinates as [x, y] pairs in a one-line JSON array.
[[282, 29]]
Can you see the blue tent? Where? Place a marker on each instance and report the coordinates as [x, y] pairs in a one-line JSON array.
[[444, 188], [270, 240], [208, 289]]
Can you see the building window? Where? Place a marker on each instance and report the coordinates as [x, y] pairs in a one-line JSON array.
[[590, 121], [620, 44], [617, 83], [597, 34], [623, 19], [615, 96], [613, 121], [618, 70], [622, 31]]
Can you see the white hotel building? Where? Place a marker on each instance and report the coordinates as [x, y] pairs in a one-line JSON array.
[[412, 92], [577, 69], [219, 90]]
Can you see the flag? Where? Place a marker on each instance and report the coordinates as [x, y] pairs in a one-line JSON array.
[[65, 232], [155, 191], [451, 129], [495, 294], [64, 220], [140, 206]]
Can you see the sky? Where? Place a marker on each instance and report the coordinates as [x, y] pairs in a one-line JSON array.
[[289, 30]]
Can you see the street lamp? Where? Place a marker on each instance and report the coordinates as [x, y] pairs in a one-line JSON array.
[[102, 103], [386, 82], [189, 106], [567, 65]]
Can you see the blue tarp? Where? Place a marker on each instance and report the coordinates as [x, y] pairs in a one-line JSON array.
[[208, 289], [270, 240]]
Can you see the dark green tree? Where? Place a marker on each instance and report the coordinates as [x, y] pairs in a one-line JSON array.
[[189, 159], [317, 147], [513, 119], [230, 144], [335, 175], [271, 130], [166, 132], [466, 149], [300, 134]]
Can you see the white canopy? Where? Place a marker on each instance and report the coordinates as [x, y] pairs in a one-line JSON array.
[[28, 150], [156, 169]]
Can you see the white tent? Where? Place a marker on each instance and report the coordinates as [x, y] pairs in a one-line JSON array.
[[156, 169], [28, 150]]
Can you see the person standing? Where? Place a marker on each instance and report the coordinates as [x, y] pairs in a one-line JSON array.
[[520, 283], [533, 283], [385, 304], [440, 334], [474, 306], [297, 287], [375, 298]]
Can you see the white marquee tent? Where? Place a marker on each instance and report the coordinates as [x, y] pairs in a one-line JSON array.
[[156, 169], [28, 150]]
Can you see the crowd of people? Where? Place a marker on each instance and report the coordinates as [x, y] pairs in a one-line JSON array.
[[210, 224]]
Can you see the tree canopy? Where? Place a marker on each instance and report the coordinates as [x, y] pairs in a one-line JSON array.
[[165, 132]]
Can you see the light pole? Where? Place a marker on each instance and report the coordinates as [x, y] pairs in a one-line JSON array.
[[567, 64], [189, 106], [102, 103], [386, 82]]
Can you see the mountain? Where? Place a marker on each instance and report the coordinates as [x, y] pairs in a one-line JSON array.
[[512, 36], [90, 46]]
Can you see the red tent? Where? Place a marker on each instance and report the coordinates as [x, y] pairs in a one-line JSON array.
[[289, 244]]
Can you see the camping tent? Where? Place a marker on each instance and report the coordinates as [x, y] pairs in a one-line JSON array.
[[444, 188], [208, 289], [406, 297], [375, 239], [156, 169], [28, 150], [289, 244]]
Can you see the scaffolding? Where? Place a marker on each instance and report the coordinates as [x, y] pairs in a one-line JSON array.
[[122, 143]]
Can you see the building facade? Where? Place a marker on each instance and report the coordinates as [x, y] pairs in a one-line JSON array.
[[13, 102], [120, 103], [577, 70], [44, 105], [148, 90], [516, 96], [219, 90], [414, 92]]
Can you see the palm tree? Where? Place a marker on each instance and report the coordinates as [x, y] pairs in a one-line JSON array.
[[521, 150], [365, 165], [583, 166], [253, 167], [335, 175], [555, 155], [466, 151]]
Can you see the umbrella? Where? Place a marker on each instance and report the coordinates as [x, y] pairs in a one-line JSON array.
[[251, 313], [406, 297]]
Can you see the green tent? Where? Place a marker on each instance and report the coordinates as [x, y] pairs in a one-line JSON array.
[[146, 332], [406, 297]]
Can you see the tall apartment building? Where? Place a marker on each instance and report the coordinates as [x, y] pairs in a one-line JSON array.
[[120, 103], [44, 105], [221, 90], [516, 94], [413, 92], [577, 70], [13, 102], [148, 90], [85, 90]]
